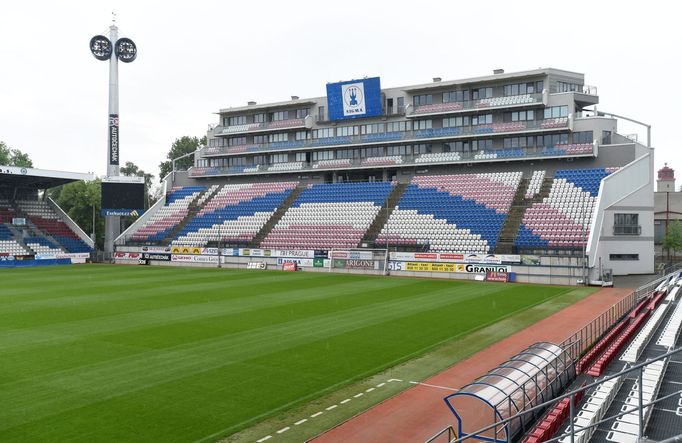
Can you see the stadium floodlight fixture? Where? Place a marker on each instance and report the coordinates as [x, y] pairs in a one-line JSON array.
[[100, 46], [126, 51], [102, 49]]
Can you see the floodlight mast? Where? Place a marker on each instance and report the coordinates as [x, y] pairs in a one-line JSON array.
[[113, 49]]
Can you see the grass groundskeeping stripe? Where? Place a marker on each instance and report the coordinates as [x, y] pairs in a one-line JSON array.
[[178, 354]]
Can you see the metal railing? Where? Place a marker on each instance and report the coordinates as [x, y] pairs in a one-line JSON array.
[[627, 230], [402, 161], [503, 424], [577, 344], [416, 135], [255, 127], [475, 105]]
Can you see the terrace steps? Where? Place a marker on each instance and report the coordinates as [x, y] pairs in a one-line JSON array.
[[505, 244], [384, 213], [192, 210], [277, 216]]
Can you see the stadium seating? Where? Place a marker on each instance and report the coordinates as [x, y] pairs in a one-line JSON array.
[[551, 123], [7, 212], [41, 245], [288, 166], [159, 225], [328, 164], [437, 107], [382, 161], [42, 215], [626, 427], [327, 216], [634, 350], [463, 213], [592, 411], [235, 213], [8, 245], [535, 184], [439, 157], [599, 347], [550, 422], [562, 220], [598, 368], [505, 101]]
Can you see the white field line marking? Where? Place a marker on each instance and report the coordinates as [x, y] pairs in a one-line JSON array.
[[343, 402], [434, 386]]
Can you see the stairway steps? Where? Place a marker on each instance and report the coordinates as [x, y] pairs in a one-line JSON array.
[[384, 213], [192, 210], [276, 217]]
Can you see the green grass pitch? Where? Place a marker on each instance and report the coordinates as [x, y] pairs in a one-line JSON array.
[[114, 353]]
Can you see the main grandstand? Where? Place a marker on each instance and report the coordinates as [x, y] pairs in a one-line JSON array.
[[519, 166], [33, 228]]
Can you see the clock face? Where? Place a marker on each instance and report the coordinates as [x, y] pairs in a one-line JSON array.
[[100, 46], [126, 51]]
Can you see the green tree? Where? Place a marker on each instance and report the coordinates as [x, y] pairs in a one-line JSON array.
[[181, 146], [673, 237], [132, 170], [78, 200], [13, 157]]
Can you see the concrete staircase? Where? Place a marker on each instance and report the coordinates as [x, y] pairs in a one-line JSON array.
[[384, 214], [192, 210], [276, 217], [510, 229]]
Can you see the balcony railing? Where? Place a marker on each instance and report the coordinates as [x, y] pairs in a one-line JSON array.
[[627, 230], [256, 127], [577, 150], [418, 136], [486, 103]]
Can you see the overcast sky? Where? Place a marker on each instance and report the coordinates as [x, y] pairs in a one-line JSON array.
[[195, 57]]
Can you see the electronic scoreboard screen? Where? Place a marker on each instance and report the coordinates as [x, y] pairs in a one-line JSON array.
[[119, 198]]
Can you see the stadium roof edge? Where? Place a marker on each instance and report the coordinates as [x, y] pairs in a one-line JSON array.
[[39, 178], [418, 87]]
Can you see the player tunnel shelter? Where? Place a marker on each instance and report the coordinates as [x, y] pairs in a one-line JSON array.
[[535, 375]]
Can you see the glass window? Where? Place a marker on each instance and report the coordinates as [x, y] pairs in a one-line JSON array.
[[556, 112], [323, 133], [279, 158], [301, 157], [259, 118], [401, 104], [302, 135], [420, 125], [320, 113], [236, 120], [302, 113], [278, 137], [626, 224], [279, 116], [424, 99], [484, 119], [236, 141]]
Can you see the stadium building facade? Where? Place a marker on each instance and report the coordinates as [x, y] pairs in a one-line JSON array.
[[510, 163]]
